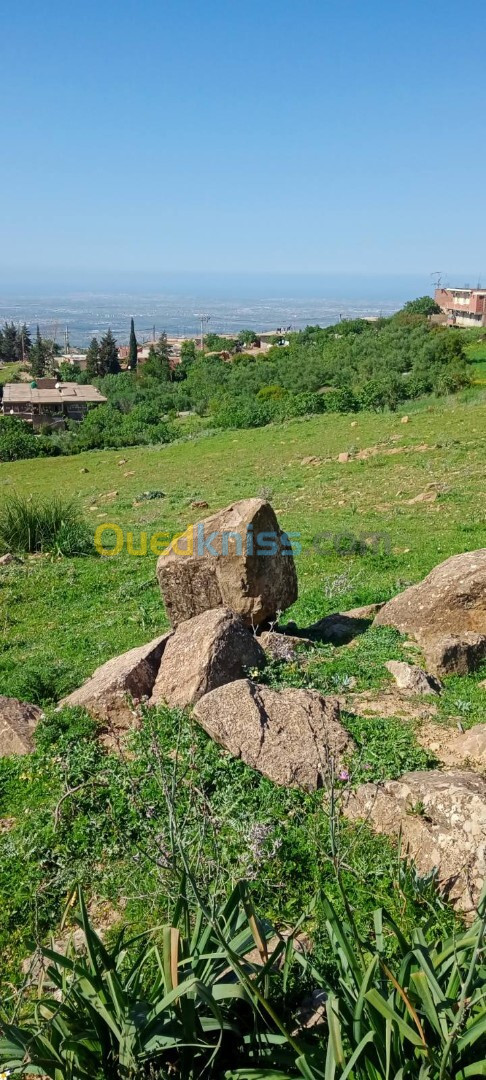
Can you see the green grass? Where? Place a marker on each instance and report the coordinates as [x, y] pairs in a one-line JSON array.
[[79, 612], [62, 617], [46, 526], [10, 372]]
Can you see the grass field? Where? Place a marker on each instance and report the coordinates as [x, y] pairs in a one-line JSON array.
[[61, 617]]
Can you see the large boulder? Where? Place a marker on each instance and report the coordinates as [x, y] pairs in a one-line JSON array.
[[294, 737], [451, 599], [228, 560], [18, 721], [205, 652], [441, 817], [125, 680]]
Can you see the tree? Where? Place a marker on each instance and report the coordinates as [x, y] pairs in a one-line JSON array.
[[423, 305], [10, 351], [188, 356], [247, 337], [38, 356], [108, 363], [93, 359], [132, 348], [157, 365]]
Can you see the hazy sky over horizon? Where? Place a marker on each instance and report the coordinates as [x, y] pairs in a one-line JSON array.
[[291, 136]]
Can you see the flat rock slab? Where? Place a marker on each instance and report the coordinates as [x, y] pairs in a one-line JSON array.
[[451, 599], [442, 820], [294, 737], [18, 721], [454, 747], [388, 703], [109, 693], [413, 678], [203, 653], [220, 562]]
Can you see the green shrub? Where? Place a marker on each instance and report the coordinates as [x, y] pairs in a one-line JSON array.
[[36, 525], [17, 440]]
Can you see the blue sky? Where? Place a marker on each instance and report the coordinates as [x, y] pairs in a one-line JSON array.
[[222, 135]]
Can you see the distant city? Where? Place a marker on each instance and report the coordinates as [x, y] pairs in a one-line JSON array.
[[81, 317]]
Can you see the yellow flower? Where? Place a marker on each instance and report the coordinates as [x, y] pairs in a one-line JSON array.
[[5, 1075]]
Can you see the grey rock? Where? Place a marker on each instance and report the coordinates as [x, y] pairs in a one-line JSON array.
[[411, 677], [441, 817], [205, 652], [18, 721], [294, 737], [113, 688], [255, 586]]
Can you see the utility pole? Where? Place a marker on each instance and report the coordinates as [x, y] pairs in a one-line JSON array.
[[66, 341], [203, 319]]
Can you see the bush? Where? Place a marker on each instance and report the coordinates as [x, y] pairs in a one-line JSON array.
[[33, 525], [17, 440]]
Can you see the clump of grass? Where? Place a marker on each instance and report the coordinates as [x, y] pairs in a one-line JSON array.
[[43, 525]]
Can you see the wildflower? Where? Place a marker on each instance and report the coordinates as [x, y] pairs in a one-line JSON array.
[[344, 774], [5, 1074]]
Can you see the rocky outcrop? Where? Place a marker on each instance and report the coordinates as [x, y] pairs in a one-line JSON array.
[[446, 613], [203, 653], [441, 817], [18, 721], [125, 680], [293, 737], [411, 677], [228, 560]]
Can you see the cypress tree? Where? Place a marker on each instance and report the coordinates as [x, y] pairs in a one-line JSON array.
[[93, 359], [108, 355], [132, 348], [38, 356]]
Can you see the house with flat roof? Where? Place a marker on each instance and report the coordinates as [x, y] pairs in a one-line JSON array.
[[463, 306], [47, 402]]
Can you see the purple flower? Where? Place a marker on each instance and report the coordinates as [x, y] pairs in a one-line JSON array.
[[344, 775]]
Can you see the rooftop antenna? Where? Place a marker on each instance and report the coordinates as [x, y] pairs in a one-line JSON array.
[[438, 275]]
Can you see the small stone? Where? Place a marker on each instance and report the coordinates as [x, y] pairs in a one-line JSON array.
[[18, 721], [199, 504], [311, 460], [411, 677], [424, 497], [405, 420], [343, 458], [6, 559], [282, 646], [84, 470], [127, 474], [354, 423]]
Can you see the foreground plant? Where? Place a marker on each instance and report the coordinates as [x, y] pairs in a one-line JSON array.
[[195, 1004], [175, 1006], [424, 1021]]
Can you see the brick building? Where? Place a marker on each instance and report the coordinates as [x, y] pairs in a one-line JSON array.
[[463, 306]]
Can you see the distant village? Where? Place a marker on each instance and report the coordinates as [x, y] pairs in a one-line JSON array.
[[52, 397]]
